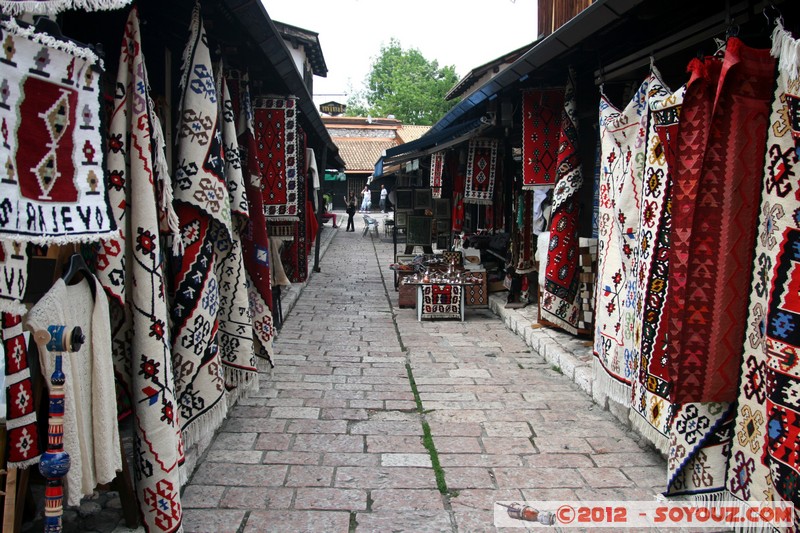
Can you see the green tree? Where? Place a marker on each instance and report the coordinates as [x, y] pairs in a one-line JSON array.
[[404, 84]]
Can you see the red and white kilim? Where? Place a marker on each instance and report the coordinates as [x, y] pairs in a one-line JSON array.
[[437, 169], [53, 186], [131, 270]]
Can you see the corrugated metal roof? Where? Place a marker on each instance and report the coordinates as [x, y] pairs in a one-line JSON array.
[[360, 154]]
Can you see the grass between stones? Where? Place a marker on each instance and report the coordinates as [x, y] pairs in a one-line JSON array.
[[427, 438]]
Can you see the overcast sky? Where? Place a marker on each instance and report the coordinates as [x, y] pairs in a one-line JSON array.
[[463, 33]]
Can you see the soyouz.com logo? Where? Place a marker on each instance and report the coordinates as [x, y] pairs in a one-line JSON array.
[[619, 514]]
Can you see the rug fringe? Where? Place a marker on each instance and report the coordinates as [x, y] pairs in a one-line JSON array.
[[646, 429], [238, 382], [787, 50], [13, 307], [54, 7], [62, 240], [22, 465], [608, 386], [45, 39], [478, 201], [205, 424], [725, 498]]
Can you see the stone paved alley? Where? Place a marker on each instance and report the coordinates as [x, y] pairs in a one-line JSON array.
[[333, 440]]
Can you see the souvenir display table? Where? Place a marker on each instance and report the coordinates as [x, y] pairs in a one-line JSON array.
[[441, 297]]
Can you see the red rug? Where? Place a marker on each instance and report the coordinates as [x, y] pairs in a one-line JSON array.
[[525, 241], [559, 299], [277, 152], [437, 169], [22, 445], [715, 202], [481, 168], [541, 126]]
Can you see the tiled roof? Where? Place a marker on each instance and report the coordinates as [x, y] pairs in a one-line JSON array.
[[360, 154], [410, 132]]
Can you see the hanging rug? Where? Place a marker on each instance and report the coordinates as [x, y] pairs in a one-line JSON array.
[[481, 168], [22, 437], [559, 299], [541, 125], [437, 168], [203, 208], [277, 154], [140, 317], [52, 182]]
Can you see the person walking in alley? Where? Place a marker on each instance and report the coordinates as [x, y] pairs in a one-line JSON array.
[[366, 201], [384, 194], [351, 211]]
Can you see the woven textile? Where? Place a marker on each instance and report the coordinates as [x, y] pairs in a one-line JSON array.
[[627, 140], [651, 410], [53, 7], [14, 272], [699, 444], [715, 191], [596, 191], [541, 127], [142, 355], [559, 299], [53, 188], [764, 463], [277, 152], [22, 446], [442, 301], [525, 237], [203, 208], [255, 240], [481, 168], [235, 323], [437, 170]]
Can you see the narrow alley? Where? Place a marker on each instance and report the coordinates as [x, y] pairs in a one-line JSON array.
[[373, 421]]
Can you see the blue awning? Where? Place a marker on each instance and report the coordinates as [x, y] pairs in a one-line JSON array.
[[428, 144]]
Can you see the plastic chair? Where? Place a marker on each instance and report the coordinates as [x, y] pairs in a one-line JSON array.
[[370, 223]]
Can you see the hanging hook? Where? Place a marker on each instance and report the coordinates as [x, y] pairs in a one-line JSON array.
[[652, 61]]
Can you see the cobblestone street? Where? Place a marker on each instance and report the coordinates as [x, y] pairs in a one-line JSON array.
[[334, 440]]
